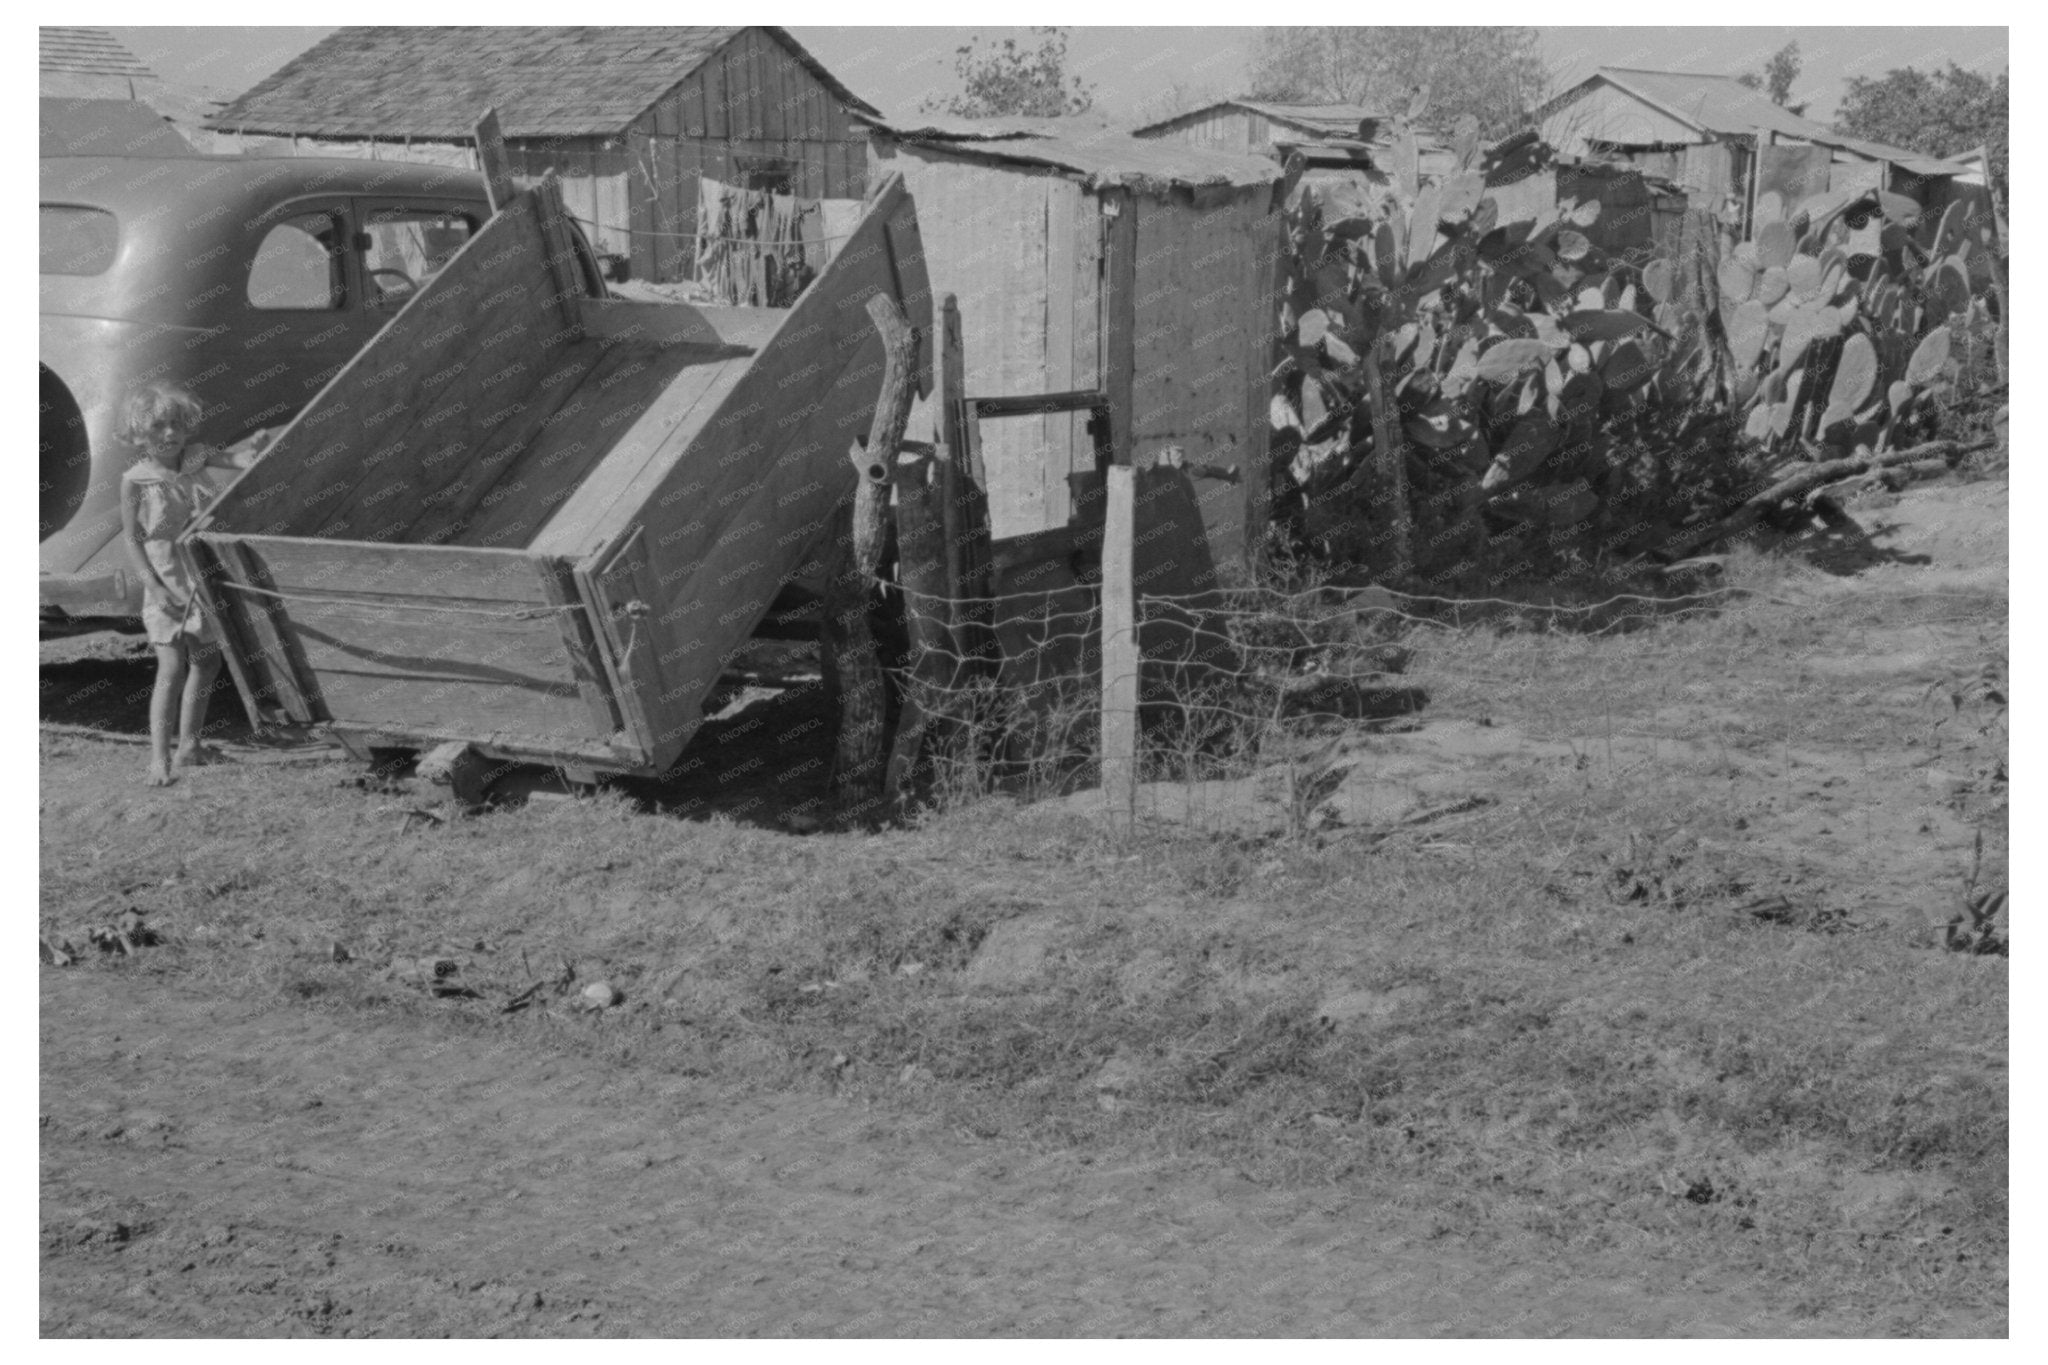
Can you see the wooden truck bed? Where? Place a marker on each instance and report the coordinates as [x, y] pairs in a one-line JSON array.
[[536, 522]]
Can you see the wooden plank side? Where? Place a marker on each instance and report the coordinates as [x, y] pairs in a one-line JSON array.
[[492, 160], [1119, 308], [587, 660], [989, 248], [424, 572], [1084, 225], [614, 394], [622, 597], [690, 105], [405, 638], [614, 200], [643, 202], [717, 127], [679, 161], [280, 668], [379, 680], [1056, 430], [732, 512], [773, 63], [484, 312], [827, 332], [682, 410], [513, 416], [238, 649], [1192, 354], [1258, 315], [559, 241]]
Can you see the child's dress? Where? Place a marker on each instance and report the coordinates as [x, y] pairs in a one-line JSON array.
[[170, 500]]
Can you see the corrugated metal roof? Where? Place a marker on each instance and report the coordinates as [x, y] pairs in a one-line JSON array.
[[1319, 120], [89, 51], [1099, 156], [1725, 106], [106, 128], [1329, 120], [434, 82]]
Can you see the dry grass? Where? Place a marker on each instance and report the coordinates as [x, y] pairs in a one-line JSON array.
[[1575, 1018]]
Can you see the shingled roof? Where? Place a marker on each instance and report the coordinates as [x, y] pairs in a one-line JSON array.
[[433, 82], [87, 52]]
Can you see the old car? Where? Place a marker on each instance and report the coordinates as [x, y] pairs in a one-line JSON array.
[[249, 281]]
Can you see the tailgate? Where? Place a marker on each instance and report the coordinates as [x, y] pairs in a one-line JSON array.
[[413, 641]]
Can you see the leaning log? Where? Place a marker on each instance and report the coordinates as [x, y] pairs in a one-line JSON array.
[[849, 660], [1810, 477]]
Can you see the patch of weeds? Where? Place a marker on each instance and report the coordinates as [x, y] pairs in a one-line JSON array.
[[1237, 1051], [871, 930], [1670, 869]]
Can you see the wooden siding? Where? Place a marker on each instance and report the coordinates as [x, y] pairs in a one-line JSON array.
[[1023, 252], [1608, 114], [1204, 334], [636, 194], [750, 102], [1229, 130]]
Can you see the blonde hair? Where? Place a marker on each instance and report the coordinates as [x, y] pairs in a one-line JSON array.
[[153, 403]]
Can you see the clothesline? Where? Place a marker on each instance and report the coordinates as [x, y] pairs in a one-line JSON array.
[[714, 237]]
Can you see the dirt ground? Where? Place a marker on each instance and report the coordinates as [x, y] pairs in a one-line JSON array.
[[221, 1169], [224, 1161]]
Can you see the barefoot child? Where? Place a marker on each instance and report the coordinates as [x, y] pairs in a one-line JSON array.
[[160, 495]]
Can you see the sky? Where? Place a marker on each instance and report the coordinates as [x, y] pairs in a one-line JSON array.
[[1135, 70]]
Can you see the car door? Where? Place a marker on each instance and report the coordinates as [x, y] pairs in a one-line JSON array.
[[298, 318], [402, 242]]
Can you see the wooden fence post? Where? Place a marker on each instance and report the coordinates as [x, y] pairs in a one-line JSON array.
[[846, 644], [1119, 753]]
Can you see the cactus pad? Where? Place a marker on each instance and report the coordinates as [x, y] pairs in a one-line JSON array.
[[1509, 358], [1657, 280], [1775, 244], [1804, 276], [1928, 358], [1855, 378], [1747, 329], [1772, 285], [1737, 279]]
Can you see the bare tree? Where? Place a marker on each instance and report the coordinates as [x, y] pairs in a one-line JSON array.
[[1491, 72]]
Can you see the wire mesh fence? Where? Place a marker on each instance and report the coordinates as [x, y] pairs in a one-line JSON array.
[[1244, 695]]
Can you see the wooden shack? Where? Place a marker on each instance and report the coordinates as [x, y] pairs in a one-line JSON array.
[[1326, 136], [1728, 145], [629, 118], [1088, 260]]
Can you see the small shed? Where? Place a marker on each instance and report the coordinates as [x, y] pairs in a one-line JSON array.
[[631, 119], [1726, 143], [1087, 259]]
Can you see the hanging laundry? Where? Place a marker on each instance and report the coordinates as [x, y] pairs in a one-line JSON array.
[[761, 249]]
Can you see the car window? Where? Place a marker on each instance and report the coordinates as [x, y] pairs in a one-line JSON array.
[[76, 240], [404, 247], [299, 264]]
